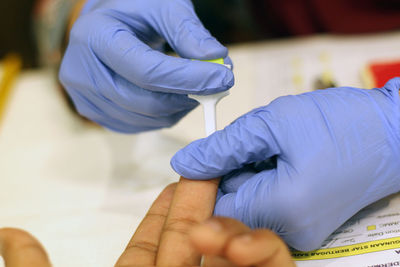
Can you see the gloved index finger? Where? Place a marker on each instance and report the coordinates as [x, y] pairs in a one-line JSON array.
[[122, 51]]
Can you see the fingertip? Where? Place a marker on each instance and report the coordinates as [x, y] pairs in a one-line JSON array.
[[258, 247], [20, 248], [184, 76], [186, 163], [203, 158], [237, 249], [19, 238], [212, 49], [229, 79], [211, 237], [178, 166], [207, 237], [169, 190], [213, 77]]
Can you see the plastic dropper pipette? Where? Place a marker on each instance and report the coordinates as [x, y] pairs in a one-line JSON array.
[[209, 103]]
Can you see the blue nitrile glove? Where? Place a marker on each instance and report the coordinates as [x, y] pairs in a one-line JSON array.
[[116, 74], [337, 150]]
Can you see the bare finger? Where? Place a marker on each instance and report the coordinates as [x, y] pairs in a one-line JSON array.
[[21, 249], [211, 237], [142, 248], [261, 248], [193, 203], [225, 238]]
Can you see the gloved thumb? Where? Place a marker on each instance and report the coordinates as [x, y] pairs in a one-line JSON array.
[[249, 139]]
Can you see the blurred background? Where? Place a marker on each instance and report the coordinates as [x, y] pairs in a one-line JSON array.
[[81, 189], [16, 31], [231, 21]]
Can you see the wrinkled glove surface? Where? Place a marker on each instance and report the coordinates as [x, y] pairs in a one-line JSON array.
[[337, 151], [115, 71]]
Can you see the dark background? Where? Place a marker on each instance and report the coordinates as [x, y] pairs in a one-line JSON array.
[[16, 34], [233, 21]]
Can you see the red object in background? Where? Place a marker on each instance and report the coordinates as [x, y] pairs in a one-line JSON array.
[[300, 17], [380, 72]]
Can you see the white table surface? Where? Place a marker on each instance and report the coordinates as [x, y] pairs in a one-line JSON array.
[[82, 190]]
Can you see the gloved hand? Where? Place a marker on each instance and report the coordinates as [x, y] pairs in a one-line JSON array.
[[116, 74], [337, 151]]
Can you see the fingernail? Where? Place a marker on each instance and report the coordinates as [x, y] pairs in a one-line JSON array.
[[214, 225], [244, 239]]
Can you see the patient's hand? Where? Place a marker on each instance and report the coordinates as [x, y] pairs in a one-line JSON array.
[[176, 231]]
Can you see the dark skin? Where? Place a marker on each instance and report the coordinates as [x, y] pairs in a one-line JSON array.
[[176, 231]]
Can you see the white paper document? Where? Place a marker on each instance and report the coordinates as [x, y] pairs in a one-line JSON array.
[[371, 238]]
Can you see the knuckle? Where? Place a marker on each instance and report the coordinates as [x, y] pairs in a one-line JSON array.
[[143, 245], [151, 216], [179, 225]]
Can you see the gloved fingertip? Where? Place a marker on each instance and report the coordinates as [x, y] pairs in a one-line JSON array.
[[229, 79], [195, 42], [196, 161], [209, 48], [180, 165]]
